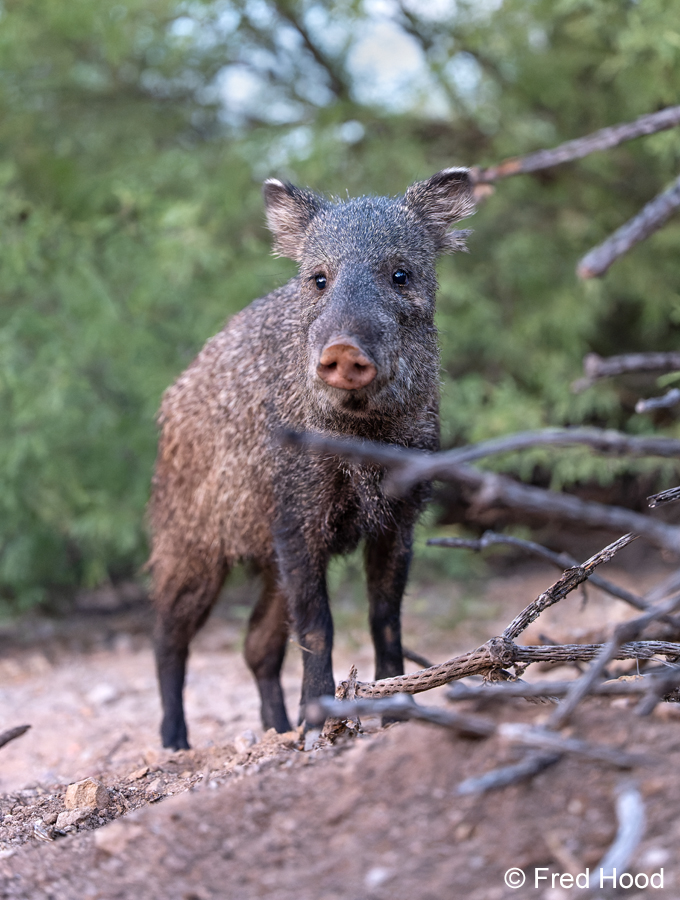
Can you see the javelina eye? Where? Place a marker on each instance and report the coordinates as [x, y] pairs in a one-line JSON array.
[[320, 282], [400, 277]]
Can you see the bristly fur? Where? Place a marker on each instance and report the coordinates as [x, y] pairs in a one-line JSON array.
[[224, 488]]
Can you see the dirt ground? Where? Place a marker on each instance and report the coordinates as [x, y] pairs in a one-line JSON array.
[[247, 815]]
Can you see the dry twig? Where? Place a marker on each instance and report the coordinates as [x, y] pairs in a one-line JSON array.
[[487, 693], [501, 652], [671, 398], [417, 658], [402, 707], [630, 812], [603, 139], [531, 765], [669, 496], [596, 366], [518, 732], [12, 733], [650, 218]]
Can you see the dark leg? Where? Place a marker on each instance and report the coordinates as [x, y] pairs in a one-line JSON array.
[[181, 609], [265, 649], [303, 579], [388, 556]]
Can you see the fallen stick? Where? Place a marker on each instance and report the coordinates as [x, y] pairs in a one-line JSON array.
[[520, 733], [603, 139], [650, 218], [494, 693], [412, 466], [400, 706], [630, 812], [504, 776], [12, 733]]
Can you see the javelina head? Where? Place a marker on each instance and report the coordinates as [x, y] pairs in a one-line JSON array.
[[367, 284]]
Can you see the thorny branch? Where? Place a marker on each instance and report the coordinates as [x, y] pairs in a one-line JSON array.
[[501, 652], [571, 579], [603, 139], [668, 496]]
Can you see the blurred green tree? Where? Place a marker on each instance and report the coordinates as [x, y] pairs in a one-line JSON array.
[[133, 137]]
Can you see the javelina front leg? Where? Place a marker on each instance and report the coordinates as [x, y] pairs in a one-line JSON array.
[[303, 577], [179, 615], [387, 559], [265, 649]]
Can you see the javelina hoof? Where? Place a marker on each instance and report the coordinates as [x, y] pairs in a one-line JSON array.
[[174, 736]]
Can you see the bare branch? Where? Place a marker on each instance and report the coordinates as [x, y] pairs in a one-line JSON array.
[[12, 733], [518, 732], [658, 688], [603, 139], [560, 560], [531, 765], [491, 693], [668, 496], [670, 398], [596, 366], [650, 218], [337, 83], [625, 632], [400, 706], [497, 490], [410, 466], [630, 811]]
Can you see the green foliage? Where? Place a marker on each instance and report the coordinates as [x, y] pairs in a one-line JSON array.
[[132, 223]]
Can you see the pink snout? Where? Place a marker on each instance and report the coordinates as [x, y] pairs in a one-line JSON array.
[[343, 365]]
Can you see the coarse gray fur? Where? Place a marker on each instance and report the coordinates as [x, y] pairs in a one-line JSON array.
[[225, 489]]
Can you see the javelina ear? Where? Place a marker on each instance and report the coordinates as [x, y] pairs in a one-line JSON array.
[[440, 201], [289, 212]]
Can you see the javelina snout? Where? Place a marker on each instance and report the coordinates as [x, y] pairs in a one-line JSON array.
[[343, 364], [346, 347]]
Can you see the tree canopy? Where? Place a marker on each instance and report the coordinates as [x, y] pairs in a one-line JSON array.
[[133, 140]]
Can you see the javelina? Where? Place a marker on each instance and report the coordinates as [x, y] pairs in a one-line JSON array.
[[348, 347]]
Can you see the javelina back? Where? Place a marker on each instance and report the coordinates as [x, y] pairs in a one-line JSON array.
[[348, 347]]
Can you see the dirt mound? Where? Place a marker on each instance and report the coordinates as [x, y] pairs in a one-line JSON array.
[[379, 817]]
